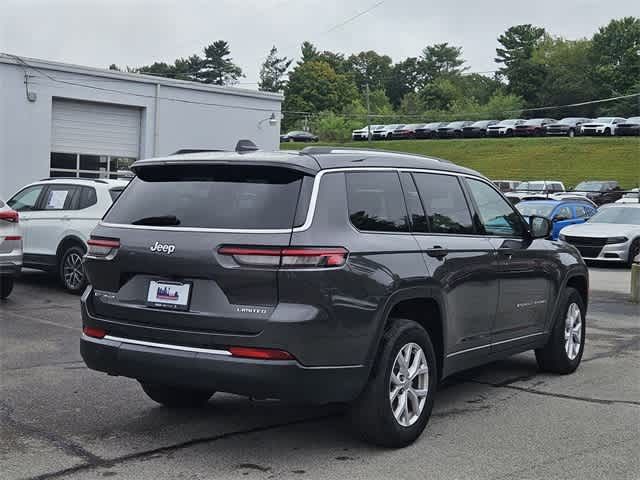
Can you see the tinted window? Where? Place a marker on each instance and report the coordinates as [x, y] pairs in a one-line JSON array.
[[414, 205], [115, 193], [88, 198], [26, 200], [496, 214], [444, 202], [563, 213], [205, 196], [582, 212], [376, 202]]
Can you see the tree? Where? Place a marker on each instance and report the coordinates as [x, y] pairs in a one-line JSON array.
[[273, 71], [369, 68], [516, 54], [216, 67], [616, 55], [478, 86], [314, 86], [440, 60], [404, 78]]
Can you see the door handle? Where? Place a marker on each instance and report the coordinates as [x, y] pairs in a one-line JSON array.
[[437, 252]]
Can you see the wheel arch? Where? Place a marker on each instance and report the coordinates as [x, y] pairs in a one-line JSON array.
[[425, 306], [67, 242], [581, 283]]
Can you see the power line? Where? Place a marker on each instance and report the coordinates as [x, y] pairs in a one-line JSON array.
[[357, 15]]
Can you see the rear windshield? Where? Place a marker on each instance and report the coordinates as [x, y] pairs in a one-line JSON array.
[[205, 196]]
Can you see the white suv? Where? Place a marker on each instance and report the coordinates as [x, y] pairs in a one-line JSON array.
[[10, 248], [57, 216]]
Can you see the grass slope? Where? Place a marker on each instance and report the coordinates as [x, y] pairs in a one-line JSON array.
[[570, 160]]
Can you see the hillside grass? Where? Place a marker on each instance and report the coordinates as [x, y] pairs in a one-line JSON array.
[[570, 160]]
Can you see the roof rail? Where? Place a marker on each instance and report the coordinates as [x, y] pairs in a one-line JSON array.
[[97, 180], [196, 150], [326, 150]]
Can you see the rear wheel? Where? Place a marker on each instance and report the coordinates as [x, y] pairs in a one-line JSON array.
[[572, 133], [6, 286], [563, 351], [72, 271], [607, 132], [396, 404], [175, 397]]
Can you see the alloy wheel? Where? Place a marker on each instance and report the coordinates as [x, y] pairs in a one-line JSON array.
[[573, 331], [409, 384], [72, 271]]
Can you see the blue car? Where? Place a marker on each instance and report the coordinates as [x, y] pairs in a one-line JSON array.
[[560, 212]]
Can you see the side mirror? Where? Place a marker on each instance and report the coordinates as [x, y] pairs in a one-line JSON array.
[[540, 227]]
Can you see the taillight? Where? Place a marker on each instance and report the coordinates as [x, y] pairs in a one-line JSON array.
[[290, 257], [102, 247], [13, 237], [260, 353], [9, 216], [94, 332]]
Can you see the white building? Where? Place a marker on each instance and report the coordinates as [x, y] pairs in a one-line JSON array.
[[66, 120]]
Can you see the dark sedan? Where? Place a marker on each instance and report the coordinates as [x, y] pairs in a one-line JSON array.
[[453, 129], [429, 130], [477, 129], [298, 136], [629, 128], [534, 127], [567, 127], [406, 131]]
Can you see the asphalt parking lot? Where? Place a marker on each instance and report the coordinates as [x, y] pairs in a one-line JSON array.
[[502, 421]]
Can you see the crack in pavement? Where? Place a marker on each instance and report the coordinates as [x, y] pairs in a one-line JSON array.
[[64, 444], [599, 401], [99, 462]]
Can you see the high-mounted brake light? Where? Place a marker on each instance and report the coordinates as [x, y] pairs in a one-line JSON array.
[[102, 247], [94, 332], [260, 353], [290, 257], [10, 216]]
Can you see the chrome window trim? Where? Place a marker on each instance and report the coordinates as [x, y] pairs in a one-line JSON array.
[[160, 345], [310, 213], [467, 350]]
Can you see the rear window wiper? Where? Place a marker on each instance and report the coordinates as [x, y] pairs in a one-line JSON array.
[[162, 220]]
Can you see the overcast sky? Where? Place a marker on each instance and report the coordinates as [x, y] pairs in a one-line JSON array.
[[138, 32]]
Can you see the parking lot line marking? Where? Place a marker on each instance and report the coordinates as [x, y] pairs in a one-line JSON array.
[[46, 322]]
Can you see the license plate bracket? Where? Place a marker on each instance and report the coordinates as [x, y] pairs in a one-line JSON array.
[[169, 294]]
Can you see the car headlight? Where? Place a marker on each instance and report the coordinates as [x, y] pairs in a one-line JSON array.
[[612, 240]]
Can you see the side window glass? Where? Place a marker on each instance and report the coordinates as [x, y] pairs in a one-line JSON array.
[[376, 202], [563, 213], [87, 198], [58, 197], [26, 200], [496, 214], [444, 203], [581, 212], [414, 205]]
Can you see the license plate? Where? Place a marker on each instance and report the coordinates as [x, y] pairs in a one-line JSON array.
[[173, 295]]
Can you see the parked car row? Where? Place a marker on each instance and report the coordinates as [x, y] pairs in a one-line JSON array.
[[534, 127]]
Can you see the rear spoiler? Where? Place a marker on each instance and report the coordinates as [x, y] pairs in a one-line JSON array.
[[242, 146]]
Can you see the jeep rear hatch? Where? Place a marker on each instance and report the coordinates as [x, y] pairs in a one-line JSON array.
[[171, 226]]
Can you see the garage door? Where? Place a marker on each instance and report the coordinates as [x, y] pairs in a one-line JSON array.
[[95, 128]]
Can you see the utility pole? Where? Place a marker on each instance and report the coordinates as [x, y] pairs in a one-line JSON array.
[[368, 116]]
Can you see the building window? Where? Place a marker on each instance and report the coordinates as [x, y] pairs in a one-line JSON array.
[[87, 166]]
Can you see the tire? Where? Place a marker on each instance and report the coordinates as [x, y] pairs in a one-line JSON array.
[[607, 132], [175, 397], [6, 287], [71, 270], [572, 133], [634, 250], [554, 357], [372, 413]]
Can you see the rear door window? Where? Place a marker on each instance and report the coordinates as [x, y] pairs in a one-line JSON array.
[[376, 202], [444, 203], [59, 197], [211, 196]]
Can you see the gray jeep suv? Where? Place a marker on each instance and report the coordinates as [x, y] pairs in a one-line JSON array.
[[325, 275]]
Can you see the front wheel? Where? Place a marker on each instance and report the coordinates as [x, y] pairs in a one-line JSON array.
[[396, 404], [634, 251], [564, 349], [572, 133], [175, 397], [72, 270], [6, 287], [607, 132]]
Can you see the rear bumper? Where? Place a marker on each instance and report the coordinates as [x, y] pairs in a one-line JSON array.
[[10, 265], [283, 379], [131, 351]]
